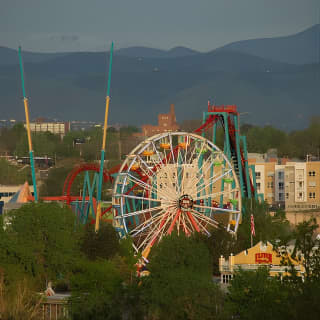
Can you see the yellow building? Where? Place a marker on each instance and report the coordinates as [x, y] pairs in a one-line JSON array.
[[251, 259]]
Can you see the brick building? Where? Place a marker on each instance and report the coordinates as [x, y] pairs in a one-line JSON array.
[[166, 122]]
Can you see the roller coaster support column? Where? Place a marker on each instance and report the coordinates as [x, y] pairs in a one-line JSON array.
[[26, 109], [246, 166], [236, 125], [103, 143]]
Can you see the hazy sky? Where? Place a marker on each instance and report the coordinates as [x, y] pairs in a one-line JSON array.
[[64, 25]]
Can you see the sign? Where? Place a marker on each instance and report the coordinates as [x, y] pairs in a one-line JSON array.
[[263, 258]]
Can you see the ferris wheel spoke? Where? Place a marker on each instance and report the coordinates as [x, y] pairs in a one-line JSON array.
[[151, 189], [193, 222], [146, 224], [202, 176], [135, 213], [210, 180], [214, 180], [200, 152], [143, 198], [151, 172], [200, 224], [213, 195], [160, 225], [150, 233], [161, 160], [161, 230], [176, 217], [206, 219], [184, 224], [171, 149], [216, 209], [169, 173]]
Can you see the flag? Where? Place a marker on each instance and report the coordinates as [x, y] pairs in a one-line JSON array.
[[253, 232]]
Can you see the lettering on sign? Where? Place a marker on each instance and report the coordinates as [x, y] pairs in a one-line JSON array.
[[263, 257]]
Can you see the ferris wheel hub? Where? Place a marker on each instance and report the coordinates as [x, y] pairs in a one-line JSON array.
[[185, 202]]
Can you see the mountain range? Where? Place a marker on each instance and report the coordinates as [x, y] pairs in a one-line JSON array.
[[272, 81]]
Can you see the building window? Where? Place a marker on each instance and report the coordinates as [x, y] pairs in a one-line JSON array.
[[226, 278], [312, 173], [258, 175], [287, 195], [300, 195], [281, 196], [300, 184], [258, 186], [281, 185], [280, 175], [270, 184], [312, 195]]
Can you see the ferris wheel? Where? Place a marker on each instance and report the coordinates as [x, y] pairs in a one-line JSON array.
[[175, 181]]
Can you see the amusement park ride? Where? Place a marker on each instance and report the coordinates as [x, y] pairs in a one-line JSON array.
[[172, 181]]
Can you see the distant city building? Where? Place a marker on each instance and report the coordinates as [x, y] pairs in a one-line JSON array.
[[262, 254], [290, 185], [166, 122], [83, 125], [40, 125], [7, 123]]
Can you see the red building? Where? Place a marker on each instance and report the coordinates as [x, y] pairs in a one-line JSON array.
[[166, 122]]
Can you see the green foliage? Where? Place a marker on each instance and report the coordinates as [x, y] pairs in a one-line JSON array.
[[220, 242], [296, 144], [11, 174], [307, 248], [255, 295], [100, 245], [268, 227], [53, 185], [96, 287], [41, 240], [18, 301], [180, 283]]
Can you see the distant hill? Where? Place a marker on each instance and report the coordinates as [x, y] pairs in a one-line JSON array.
[[145, 52], [145, 81], [10, 56], [300, 48]]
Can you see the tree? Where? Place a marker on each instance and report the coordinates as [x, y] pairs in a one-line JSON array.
[[96, 291], [100, 245], [255, 295], [180, 284], [10, 174], [42, 240], [220, 242], [107, 289], [268, 227], [18, 301], [307, 248]]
